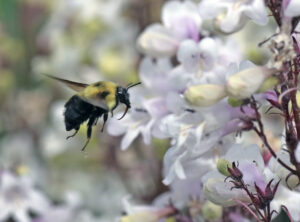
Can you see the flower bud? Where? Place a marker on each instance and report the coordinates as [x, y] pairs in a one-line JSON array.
[[146, 216], [234, 172], [157, 41], [211, 211], [243, 84], [257, 201], [205, 94], [222, 166]]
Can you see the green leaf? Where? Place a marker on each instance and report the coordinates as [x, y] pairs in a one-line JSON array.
[[282, 217]]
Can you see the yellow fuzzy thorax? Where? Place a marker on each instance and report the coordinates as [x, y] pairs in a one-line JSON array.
[[93, 92]]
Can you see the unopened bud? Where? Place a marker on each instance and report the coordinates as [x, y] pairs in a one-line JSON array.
[[205, 94], [266, 195], [243, 84], [146, 216], [222, 166], [235, 172], [211, 211], [257, 201]]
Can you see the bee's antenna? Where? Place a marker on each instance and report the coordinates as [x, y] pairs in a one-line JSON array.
[[132, 85]]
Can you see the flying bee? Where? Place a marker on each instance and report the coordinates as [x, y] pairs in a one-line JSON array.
[[92, 102]]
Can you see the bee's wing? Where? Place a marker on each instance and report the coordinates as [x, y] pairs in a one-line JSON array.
[[73, 85]]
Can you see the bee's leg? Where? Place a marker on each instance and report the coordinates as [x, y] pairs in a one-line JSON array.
[[76, 131], [96, 121], [105, 117], [89, 132]]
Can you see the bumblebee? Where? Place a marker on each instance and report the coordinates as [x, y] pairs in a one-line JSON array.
[[91, 103]]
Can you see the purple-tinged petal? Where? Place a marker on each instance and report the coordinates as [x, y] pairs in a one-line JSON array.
[[156, 107], [182, 18], [293, 8], [189, 55]]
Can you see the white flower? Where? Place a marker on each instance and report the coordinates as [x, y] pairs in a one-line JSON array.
[[189, 55], [236, 12], [177, 160], [18, 197], [206, 61], [154, 75], [141, 120], [252, 166], [250, 163], [182, 18], [193, 145], [194, 56], [180, 21], [290, 181], [292, 9]]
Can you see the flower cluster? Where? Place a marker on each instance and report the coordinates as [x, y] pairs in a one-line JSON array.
[[219, 91], [200, 90]]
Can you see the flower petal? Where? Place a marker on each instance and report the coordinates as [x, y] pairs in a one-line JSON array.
[[157, 41], [182, 18], [257, 12], [189, 55], [232, 21], [209, 9], [129, 137], [293, 9]]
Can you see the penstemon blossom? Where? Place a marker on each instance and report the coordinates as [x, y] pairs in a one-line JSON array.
[[199, 91], [236, 14]]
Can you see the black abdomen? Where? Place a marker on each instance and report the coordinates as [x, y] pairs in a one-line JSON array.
[[76, 112]]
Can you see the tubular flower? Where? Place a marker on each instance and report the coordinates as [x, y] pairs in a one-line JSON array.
[[230, 16]]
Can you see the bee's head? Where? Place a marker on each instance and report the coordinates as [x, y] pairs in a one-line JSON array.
[[123, 96]]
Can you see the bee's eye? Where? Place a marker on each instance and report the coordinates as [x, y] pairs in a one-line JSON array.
[[120, 91]]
